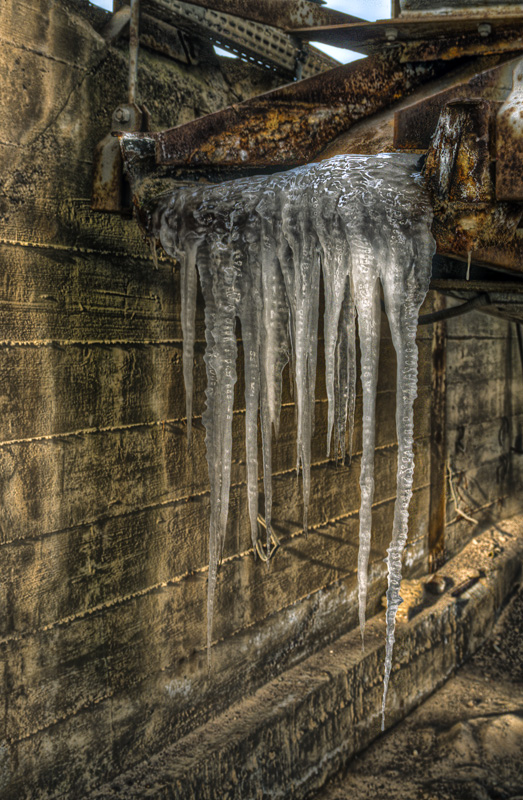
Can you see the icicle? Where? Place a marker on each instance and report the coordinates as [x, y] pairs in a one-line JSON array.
[[250, 309], [259, 245], [302, 279], [335, 267], [188, 294], [405, 279], [367, 298], [274, 354], [345, 378]]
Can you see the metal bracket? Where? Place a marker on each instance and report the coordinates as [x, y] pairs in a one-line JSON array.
[[111, 191]]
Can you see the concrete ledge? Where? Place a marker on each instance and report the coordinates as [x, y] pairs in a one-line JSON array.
[[297, 731]]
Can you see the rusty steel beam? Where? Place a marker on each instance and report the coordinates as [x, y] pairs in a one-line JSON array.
[[280, 13], [262, 44], [509, 143], [468, 222], [426, 37], [414, 125], [290, 125], [508, 40]]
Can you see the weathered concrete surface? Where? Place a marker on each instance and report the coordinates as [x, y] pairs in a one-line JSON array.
[[298, 730], [464, 743]]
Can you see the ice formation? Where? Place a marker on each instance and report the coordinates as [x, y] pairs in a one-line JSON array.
[[259, 245]]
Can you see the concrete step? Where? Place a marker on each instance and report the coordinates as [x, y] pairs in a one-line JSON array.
[[293, 734]]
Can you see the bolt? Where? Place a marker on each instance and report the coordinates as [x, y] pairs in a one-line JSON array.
[[484, 29], [122, 114], [391, 34]]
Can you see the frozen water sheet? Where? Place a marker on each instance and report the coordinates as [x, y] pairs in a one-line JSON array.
[[260, 245]]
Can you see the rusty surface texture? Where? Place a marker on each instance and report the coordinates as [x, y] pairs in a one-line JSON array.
[[290, 125], [426, 37], [170, 42], [281, 13], [508, 40], [457, 168], [458, 171], [509, 143], [415, 124]]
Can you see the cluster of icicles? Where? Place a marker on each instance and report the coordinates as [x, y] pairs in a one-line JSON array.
[[259, 245]]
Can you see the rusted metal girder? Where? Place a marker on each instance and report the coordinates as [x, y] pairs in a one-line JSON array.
[[109, 189], [468, 221], [287, 126], [162, 37], [414, 125], [280, 13], [425, 38], [509, 142], [261, 43]]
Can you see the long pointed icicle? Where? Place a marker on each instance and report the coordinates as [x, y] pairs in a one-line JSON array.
[[345, 375], [259, 245], [298, 229], [250, 308], [405, 279], [335, 267], [368, 307], [274, 341]]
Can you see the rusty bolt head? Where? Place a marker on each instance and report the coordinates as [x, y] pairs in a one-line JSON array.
[[484, 29], [122, 114]]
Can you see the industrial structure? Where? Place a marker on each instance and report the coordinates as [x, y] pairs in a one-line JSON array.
[[106, 691]]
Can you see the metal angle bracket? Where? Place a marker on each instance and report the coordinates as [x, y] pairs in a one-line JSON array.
[[111, 190]]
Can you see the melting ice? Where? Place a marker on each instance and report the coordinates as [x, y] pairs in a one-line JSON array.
[[259, 245]]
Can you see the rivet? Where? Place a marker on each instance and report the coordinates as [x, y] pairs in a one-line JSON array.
[[122, 114], [484, 29]]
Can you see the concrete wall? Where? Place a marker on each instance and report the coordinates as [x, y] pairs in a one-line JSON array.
[[103, 512], [484, 401]]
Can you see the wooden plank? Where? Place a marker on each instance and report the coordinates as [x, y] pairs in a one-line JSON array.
[[476, 325], [57, 67], [63, 758], [475, 361], [62, 295], [125, 553], [61, 482], [49, 32], [491, 399], [48, 294], [488, 492], [482, 442], [56, 389], [53, 389], [55, 672]]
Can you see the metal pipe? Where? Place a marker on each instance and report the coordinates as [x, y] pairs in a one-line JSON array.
[[455, 311], [133, 49]]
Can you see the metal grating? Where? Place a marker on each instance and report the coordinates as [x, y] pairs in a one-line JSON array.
[[250, 41]]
